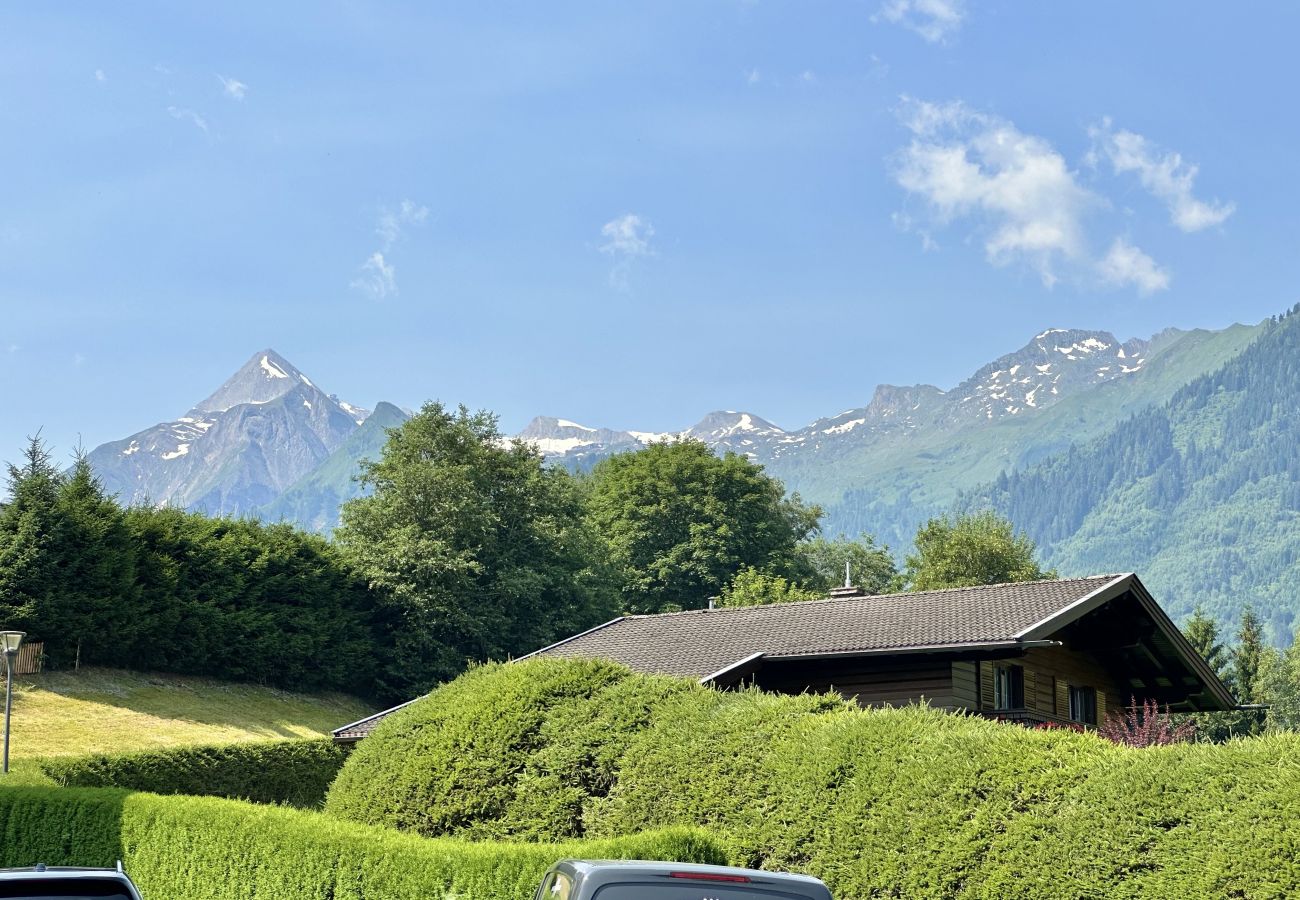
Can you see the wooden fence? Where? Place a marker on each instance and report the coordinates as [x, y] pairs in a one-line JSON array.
[[31, 657]]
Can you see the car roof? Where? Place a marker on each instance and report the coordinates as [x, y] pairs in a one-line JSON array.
[[68, 873], [589, 867]]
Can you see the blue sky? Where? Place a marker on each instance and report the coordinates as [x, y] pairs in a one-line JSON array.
[[625, 214]]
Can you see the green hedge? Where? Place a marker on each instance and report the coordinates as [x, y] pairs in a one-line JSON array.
[[880, 803], [504, 751], [294, 772], [203, 848]]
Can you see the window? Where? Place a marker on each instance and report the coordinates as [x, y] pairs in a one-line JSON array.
[[1008, 687], [1083, 705]]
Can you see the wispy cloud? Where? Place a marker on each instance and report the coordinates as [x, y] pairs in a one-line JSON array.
[[627, 238], [393, 222], [232, 87], [934, 20], [188, 115], [1162, 172], [1025, 201], [378, 278], [1125, 264], [100, 76], [753, 76]]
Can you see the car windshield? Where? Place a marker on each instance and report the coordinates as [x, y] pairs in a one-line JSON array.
[[687, 889], [64, 889]]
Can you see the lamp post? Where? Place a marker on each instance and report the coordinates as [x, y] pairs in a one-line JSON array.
[[10, 641]]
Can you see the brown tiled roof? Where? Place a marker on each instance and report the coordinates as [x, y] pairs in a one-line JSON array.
[[698, 643], [355, 731]]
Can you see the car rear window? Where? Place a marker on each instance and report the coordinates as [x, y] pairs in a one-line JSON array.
[[64, 889], [688, 889]]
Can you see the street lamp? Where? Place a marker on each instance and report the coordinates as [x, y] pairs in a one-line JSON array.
[[10, 641]]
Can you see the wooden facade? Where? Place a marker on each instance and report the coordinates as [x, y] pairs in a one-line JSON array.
[[962, 682]]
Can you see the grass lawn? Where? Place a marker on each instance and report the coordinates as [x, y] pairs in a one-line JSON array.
[[107, 710]]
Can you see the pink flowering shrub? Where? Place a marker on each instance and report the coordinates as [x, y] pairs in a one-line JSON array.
[[1146, 726]]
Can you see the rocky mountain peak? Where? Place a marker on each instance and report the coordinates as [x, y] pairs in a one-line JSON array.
[[722, 424], [265, 377]]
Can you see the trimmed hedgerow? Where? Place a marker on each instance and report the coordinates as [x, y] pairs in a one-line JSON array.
[[517, 750], [203, 848], [294, 772], [880, 803]]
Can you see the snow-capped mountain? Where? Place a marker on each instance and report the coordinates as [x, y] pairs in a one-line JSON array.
[[270, 442], [236, 450], [1055, 364]]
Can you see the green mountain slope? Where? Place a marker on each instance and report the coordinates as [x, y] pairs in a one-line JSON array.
[[313, 501], [889, 487], [1200, 495]]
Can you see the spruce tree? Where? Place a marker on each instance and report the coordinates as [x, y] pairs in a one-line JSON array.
[[30, 534]]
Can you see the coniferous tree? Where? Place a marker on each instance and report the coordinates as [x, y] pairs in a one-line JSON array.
[[1248, 656], [96, 614], [30, 535], [1202, 632]]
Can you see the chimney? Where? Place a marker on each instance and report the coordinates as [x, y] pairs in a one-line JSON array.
[[847, 591]]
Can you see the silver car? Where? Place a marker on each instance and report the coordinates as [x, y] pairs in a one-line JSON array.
[[596, 879], [42, 882]]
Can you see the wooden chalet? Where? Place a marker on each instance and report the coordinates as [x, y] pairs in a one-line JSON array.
[[1061, 651]]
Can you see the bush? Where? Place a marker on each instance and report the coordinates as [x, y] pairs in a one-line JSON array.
[[201, 848], [878, 802], [516, 750], [294, 772]]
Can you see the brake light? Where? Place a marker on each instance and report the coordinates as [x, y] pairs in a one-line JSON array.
[[710, 876]]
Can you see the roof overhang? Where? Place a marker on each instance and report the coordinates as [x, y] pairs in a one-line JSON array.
[[1121, 585], [342, 736]]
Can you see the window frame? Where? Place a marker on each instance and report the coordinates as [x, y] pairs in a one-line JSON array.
[[1011, 694], [1083, 704]]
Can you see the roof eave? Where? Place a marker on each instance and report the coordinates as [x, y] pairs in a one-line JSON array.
[[1109, 591], [1079, 608]]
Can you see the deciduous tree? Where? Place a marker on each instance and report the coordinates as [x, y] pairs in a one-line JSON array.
[[477, 550], [679, 522], [975, 549]]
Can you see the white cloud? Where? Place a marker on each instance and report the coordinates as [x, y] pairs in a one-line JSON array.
[[378, 274], [1017, 186], [627, 238], [100, 76], [1027, 204], [378, 277], [808, 76], [1125, 264], [232, 87], [628, 235], [393, 222], [934, 20], [1163, 173], [188, 115], [753, 77]]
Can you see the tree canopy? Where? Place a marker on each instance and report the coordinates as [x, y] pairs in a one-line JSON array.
[[751, 587], [475, 550], [679, 522], [972, 549], [871, 568]]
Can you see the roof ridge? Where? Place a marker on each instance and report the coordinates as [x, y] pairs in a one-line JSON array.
[[859, 599]]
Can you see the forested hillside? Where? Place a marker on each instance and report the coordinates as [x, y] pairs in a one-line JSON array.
[[1201, 495]]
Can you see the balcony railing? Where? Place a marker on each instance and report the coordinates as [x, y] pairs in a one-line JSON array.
[[1032, 718]]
